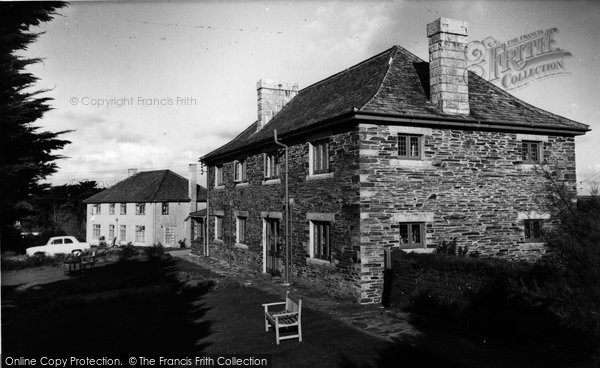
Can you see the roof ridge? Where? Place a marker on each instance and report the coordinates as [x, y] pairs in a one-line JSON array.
[[347, 69], [394, 52], [162, 180], [525, 104]]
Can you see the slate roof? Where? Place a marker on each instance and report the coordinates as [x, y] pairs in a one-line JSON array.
[[148, 186], [394, 83]]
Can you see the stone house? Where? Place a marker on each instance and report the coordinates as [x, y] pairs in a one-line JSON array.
[[147, 208], [393, 151]]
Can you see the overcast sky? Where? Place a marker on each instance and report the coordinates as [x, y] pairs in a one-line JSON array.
[[210, 55]]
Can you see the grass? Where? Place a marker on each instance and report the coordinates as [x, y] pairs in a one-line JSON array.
[[167, 305]]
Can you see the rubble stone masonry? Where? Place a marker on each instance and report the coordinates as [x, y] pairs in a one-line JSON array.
[[334, 196], [469, 185]]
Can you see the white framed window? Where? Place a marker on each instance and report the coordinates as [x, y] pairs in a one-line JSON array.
[[165, 208], [96, 231], [218, 175], [96, 209], [111, 232], [140, 233], [111, 208], [170, 235], [241, 230], [123, 207], [412, 234], [272, 165], [218, 227], [319, 157], [531, 152], [239, 171], [409, 146], [320, 240], [140, 208], [123, 232]]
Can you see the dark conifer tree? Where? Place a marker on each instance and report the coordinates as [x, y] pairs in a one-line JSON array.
[[27, 154]]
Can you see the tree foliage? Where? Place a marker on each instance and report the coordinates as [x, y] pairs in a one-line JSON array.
[[27, 154]]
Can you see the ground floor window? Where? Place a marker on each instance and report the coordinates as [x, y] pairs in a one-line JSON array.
[[533, 231], [218, 227], [241, 230], [111, 232], [170, 235], [96, 231], [321, 240], [140, 233], [123, 232], [198, 229], [412, 234]]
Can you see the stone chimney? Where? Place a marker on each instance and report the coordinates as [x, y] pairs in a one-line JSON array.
[[192, 188], [272, 96], [131, 172], [448, 79]]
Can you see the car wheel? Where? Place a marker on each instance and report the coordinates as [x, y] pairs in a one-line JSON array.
[[76, 252]]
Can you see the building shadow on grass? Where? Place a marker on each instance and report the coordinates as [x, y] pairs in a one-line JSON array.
[[125, 307]]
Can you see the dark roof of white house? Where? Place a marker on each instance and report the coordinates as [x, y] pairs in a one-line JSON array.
[[149, 186], [395, 84]]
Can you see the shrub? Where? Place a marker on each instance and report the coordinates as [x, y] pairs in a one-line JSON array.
[[155, 251], [21, 261]]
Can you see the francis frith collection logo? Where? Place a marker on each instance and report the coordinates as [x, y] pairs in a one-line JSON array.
[[519, 61]]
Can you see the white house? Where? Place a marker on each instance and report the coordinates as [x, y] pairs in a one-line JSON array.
[[147, 208]]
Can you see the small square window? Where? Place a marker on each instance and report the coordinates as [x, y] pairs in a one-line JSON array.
[[140, 208], [531, 152], [165, 208], [409, 146], [96, 209], [320, 157], [321, 240], [533, 231], [412, 234]]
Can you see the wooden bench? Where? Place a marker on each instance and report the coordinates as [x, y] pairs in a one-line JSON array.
[[88, 261], [76, 262], [291, 316]]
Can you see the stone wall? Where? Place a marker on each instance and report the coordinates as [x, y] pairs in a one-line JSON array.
[[469, 185], [336, 195]]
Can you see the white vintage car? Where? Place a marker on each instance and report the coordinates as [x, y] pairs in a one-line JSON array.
[[58, 245]]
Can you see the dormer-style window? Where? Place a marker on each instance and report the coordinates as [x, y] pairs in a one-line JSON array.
[[218, 176], [271, 165], [320, 157], [409, 146], [239, 173], [531, 152]]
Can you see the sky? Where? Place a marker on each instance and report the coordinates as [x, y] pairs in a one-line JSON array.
[[155, 85]]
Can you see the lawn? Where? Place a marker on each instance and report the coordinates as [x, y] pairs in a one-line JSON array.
[[166, 306]]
